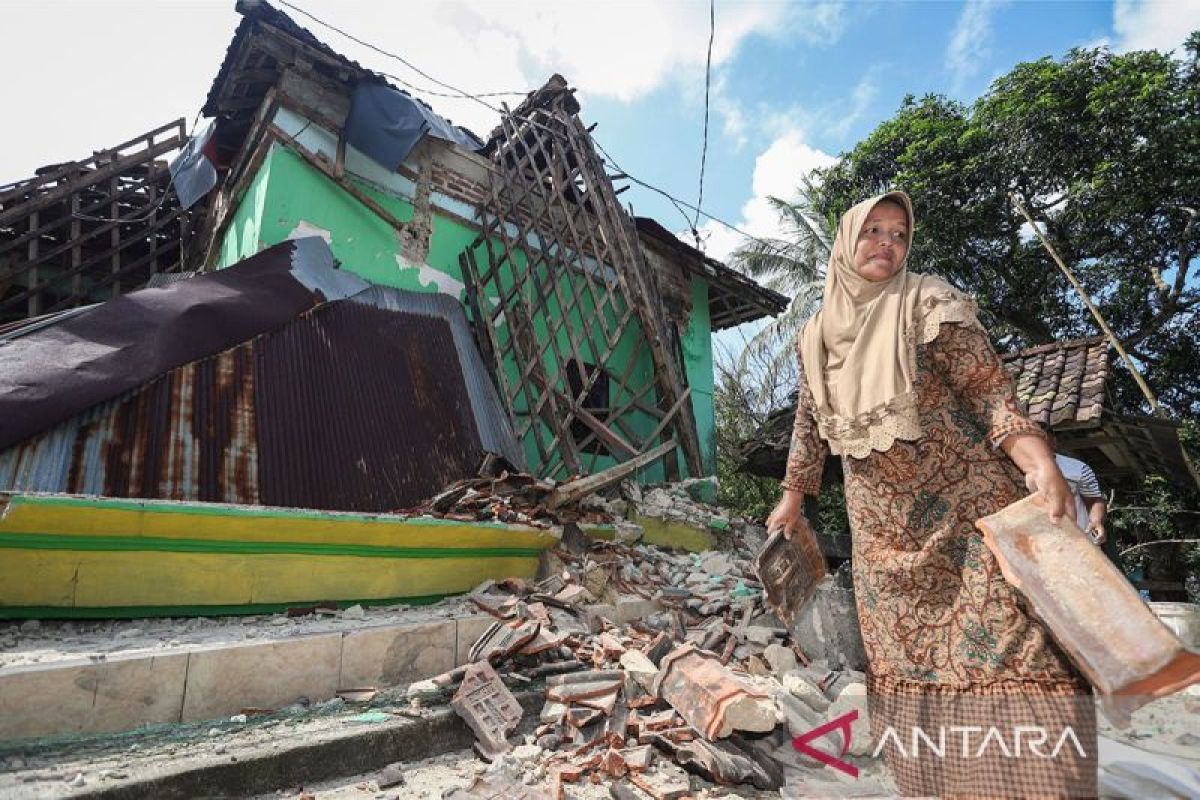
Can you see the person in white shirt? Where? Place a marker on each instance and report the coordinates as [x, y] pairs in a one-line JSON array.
[[1090, 508]]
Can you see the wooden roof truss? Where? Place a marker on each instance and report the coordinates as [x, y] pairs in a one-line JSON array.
[[86, 231], [557, 276]]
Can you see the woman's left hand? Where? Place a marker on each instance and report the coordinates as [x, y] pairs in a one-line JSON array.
[[1046, 479]]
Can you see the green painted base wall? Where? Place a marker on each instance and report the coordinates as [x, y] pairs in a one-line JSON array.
[[289, 199]]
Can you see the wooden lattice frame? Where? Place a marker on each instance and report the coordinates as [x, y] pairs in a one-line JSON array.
[[557, 252], [86, 231]]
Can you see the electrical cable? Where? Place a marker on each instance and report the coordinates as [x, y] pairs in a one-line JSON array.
[[478, 99], [712, 30], [408, 64]]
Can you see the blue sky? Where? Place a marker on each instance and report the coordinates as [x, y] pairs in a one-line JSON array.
[[793, 83]]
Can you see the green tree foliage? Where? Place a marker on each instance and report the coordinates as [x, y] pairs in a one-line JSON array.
[[1104, 149]]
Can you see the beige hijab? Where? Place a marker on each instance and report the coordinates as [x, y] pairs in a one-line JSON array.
[[859, 349]]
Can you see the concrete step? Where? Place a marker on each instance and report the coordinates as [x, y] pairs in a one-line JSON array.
[[104, 694]]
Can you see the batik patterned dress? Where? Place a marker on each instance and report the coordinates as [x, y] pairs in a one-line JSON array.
[[938, 619]]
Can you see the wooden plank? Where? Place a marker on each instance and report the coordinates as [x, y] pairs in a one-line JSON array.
[[98, 208], [532, 355], [100, 174], [565, 308], [33, 290], [640, 290], [76, 255], [574, 490], [112, 255], [345, 183], [19, 188]]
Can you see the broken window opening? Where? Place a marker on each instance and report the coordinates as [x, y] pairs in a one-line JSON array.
[[596, 403]]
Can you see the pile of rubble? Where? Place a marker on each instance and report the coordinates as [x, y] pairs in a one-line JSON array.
[[514, 497], [710, 682]]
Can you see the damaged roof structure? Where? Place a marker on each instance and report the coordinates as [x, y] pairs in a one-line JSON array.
[[249, 406], [87, 230], [595, 325], [339, 302]]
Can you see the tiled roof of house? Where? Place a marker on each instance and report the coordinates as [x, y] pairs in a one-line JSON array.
[[1061, 382]]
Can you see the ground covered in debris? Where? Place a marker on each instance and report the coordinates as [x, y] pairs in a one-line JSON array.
[[514, 498], [701, 697], [433, 778]]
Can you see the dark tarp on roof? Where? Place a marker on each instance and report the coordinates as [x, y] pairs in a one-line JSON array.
[[366, 398], [116, 346], [386, 124]]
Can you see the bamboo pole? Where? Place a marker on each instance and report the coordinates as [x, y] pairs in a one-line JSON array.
[[1108, 332], [1087, 300]]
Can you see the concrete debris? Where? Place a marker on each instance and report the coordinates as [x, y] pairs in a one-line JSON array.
[[668, 783], [804, 689], [696, 670], [498, 787], [827, 628], [353, 612], [391, 775]]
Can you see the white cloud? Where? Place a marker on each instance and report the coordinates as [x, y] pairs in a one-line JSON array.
[[777, 173], [1154, 24], [622, 51], [726, 107], [970, 41], [864, 94], [816, 24]]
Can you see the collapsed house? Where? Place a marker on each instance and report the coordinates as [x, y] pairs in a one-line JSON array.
[[349, 303]]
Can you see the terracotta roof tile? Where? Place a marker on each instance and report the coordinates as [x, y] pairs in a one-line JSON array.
[[1062, 382]]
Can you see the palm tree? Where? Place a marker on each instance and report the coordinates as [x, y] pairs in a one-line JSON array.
[[793, 265]]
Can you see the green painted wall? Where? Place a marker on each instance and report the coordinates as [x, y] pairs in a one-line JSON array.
[[288, 198], [698, 363]]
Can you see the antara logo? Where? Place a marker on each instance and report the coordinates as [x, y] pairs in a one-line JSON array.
[[842, 723]]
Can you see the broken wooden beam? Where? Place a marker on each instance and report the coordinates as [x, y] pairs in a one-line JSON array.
[[572, 491]]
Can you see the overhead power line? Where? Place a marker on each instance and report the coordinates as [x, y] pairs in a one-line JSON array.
[[712, 30], [478, 98]]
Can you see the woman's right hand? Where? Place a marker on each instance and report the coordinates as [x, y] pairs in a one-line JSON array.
[[788, 514]]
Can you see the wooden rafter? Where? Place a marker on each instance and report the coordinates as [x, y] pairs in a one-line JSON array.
[[557, 276], [86, 231]]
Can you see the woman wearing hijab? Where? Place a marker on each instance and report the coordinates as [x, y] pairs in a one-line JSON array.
[[898, 378]]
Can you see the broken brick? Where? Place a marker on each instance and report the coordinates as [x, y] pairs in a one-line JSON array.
[[638, 759], [500, 641], [488, 707]]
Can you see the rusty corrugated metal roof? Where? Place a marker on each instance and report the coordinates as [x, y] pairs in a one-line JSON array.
[[362, 408], [51, 373], [367, 403]]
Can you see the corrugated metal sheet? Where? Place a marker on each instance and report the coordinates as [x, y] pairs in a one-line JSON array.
[[189, 435], [368, 404], [362, 408], [495, 430], [52, 373]]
